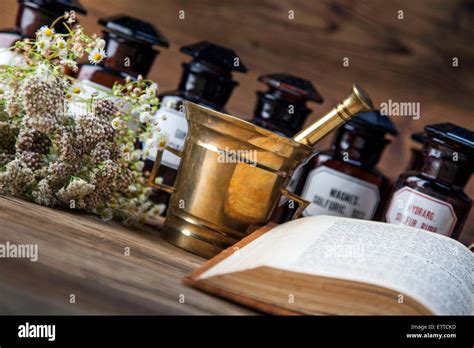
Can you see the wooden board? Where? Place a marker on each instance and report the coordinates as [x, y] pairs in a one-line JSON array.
[[82, 256]]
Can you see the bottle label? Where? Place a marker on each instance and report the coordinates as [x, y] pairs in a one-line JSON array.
[[334, 193], [415, 209], [174, 126], [8, 57]]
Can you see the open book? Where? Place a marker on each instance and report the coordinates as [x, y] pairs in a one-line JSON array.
[[333, 265]]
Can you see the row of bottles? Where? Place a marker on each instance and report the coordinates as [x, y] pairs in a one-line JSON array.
[[342, 181]]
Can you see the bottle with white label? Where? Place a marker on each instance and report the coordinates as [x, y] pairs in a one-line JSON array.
[[129, 48], [344, 180], [432, 197], [206, 80], [31, 16]]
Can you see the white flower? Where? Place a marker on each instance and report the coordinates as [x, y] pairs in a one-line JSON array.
[[140, 165], [96, 56], [152, 89], [160, 140], [70, 16], [136, 155], [43, 72], [62, 47], [43, 46], [78, 50], [69, 63], [100, 44], [45, 33], [156, 211], [145, 116], [116, 123]]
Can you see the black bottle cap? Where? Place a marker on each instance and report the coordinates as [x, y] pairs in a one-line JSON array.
[[452, 134], [216, 55], [56, 6], [134, 29], [293, 85], [419, 137], [207, 79], [374, 121], [282, 108]]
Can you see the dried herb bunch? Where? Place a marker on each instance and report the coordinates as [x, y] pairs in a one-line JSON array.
[[62, 146]]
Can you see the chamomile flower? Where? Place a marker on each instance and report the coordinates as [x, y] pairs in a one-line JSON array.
[[43, 46], [62, 47], [96, 56], [117, 123], [76, 90], [46, 33]]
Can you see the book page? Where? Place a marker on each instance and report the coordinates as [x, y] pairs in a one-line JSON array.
[[435, 270]]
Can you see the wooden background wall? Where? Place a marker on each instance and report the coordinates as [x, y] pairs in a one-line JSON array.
[[407, 60]]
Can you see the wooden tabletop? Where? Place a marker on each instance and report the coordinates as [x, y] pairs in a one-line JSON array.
[[83, 256], [406, 60]]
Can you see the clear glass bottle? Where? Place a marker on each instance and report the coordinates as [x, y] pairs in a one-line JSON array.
[[432, 197], [129, 49], [344, 180], [31, 16], [206, 80]]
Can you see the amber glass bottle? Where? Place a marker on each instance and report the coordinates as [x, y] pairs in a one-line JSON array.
[[344, 180], [416, 151], [282, 108], [431, 197], [206, 80], [129, 49], [31, 16]]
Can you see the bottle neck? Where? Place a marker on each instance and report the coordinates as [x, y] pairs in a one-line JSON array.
[[206, 84], [280, 111], [445, 164], [30, 19], [128, 55], [359, 146]]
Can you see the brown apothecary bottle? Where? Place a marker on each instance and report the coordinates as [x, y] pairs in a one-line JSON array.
[[129, 46], [431, 197], [344, 180]]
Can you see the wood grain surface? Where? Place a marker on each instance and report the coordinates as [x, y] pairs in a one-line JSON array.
[[407, 60], [82, 256]]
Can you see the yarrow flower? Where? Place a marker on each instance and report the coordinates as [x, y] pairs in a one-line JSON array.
[[96, 56], [85, 160]]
